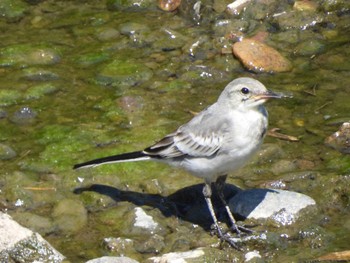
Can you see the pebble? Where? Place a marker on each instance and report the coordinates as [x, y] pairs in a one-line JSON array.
[[340, 140], [154, 244], [35, 222], [297, 20], [178, 257], [70, 215], [35, 74], [169, 5], [236, 7], [112, 260], [131, 5], [333, 60], [131, 28], [251, 255], [305, 5], [167, 39], [124, 73], [24, 115], [13, 10], [24, 55], [283, 166], [6, 152], [309, 47], [108, 34], [38, 91], [118, 245], [142, 220], [9, 97], [259, 57], [280, 205], [331, 5], [3, 114]]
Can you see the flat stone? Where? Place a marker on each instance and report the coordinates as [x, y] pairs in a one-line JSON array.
[[280, 205], [259, 57]]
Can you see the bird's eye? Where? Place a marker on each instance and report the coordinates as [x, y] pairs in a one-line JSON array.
[[245, 90]]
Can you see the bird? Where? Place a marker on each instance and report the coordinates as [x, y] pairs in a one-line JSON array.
[[215, 142]]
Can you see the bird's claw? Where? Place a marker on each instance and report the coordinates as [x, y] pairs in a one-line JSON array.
[[230, 240], [239, 229], [225, 237]]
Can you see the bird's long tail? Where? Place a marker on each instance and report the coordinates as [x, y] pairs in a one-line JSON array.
[[125, 157]]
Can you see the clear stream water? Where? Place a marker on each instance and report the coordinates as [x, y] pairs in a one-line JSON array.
[[80, 81]]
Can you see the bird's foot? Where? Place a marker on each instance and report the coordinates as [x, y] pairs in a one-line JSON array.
[[225, 237], [239, 229]]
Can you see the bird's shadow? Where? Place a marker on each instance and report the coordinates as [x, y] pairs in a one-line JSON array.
[[187, 203]]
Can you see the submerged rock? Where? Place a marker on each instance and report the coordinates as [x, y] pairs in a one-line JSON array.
[[340, 140], [131, 5], [6, 152], [124, 73], [121, 246], [297, 19], [259, 57], [9, 97], [70, 215], [40, 90], [13, 10], [280, 205], [24, 115], [24, 55]]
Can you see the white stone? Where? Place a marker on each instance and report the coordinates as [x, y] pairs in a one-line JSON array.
[[143, 220], [177, 257], [280, 205], [250, 255], [11, 232], [112, 260]]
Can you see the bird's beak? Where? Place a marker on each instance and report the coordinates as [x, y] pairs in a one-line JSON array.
[[269, 95]]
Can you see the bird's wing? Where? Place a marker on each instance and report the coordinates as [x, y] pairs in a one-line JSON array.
[[190, 144], [201, 137]]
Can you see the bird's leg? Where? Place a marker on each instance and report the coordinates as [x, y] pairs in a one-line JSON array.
[[207, 196], [220, 184]]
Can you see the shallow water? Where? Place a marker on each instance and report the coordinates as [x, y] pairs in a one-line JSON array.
[[67, 96]]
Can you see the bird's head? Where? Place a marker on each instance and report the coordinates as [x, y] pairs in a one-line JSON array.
[[246, 93]]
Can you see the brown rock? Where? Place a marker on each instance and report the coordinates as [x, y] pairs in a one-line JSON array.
[[169, 5], [259, 57]]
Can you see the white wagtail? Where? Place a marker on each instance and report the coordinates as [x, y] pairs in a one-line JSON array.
[[217, 141]]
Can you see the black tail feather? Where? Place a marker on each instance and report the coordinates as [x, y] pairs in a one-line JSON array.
[[132, 156]]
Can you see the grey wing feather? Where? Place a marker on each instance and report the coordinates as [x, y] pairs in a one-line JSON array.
[[198, 144], [180, 144], [191, 141]]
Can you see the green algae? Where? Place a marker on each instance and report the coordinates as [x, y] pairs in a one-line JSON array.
[[9, 97]]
